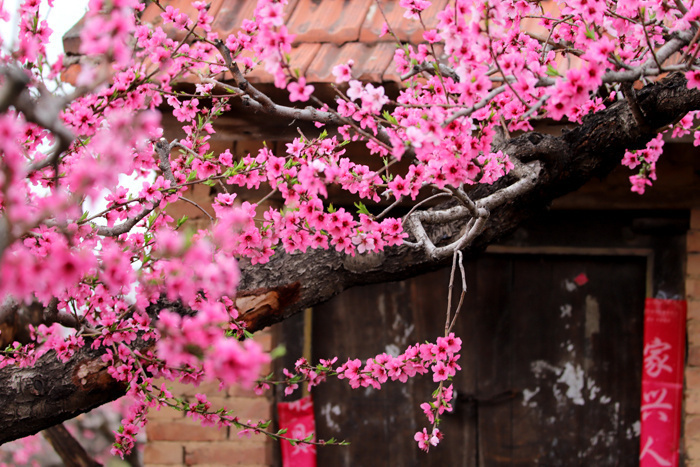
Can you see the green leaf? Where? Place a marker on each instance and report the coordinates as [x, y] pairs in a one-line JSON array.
[[389, 118], [589, 33], [181, 221], [278, 351], [362, 209], [331, 209], [192, 176], [551, 71], [152, 218]]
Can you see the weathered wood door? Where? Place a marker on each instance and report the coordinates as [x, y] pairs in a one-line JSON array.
[[551, 370]]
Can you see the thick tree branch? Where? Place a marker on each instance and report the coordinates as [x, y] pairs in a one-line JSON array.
[[51, 392]]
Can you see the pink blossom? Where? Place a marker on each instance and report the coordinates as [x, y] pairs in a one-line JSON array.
[[299, 90], [343, 72]]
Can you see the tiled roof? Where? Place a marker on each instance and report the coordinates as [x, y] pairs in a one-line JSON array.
[[327, 32]]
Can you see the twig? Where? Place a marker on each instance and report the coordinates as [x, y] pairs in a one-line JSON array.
[[126, 226], [482, 103], [187, 200], [449, 291], [681, 7], [387, 210], [267, 196], [430, 68], [649, 44], [462, 295]]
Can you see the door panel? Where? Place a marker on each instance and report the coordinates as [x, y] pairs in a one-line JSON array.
[[551, 370]]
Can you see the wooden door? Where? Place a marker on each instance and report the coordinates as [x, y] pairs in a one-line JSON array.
[[551, 369]]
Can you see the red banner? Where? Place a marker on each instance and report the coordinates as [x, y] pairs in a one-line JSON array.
[[298, 418], [662, 382]]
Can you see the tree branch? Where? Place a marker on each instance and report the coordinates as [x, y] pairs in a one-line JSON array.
[[50, 392]]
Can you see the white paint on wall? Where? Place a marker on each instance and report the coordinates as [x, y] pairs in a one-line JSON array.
[[327, 411], [565, 310], [573, 377], [527, 395]]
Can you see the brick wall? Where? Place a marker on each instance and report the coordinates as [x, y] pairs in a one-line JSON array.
[[692, 371], [175, 440]]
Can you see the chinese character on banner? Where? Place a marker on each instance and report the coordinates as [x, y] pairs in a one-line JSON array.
[[298, 418], [656, 357], [662, 382], [654, 402]]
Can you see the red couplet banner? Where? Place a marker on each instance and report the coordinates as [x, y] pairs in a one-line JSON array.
[[662, 382], [298, 418]]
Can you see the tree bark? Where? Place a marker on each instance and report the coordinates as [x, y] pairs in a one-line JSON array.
[[68, 448], [38, 397]]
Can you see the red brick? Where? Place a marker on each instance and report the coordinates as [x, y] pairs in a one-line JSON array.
[[693, 329], [693, 265], [693, 241], [183, 430], [693, 310], [694, 354], [165, 414], [240, 391], [692, 289], [692, 378], [264, 338], [692, 402], [692, 427], [228, 453], [250, 408], [217, 402], [163, 452], [692, 450], [210, 388], [695, 219]]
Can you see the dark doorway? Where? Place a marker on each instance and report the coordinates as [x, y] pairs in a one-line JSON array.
[[551, 364]]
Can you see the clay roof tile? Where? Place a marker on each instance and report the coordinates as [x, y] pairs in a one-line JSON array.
[[336, 21], [327, 32]]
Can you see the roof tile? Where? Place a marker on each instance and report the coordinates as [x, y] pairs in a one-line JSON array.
[[406, 29], [336, 21], [327, 32], [371, 61], [230, 16], [152, 14], [300, 58]]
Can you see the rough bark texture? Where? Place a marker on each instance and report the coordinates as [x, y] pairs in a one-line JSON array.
[[38, 397]]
